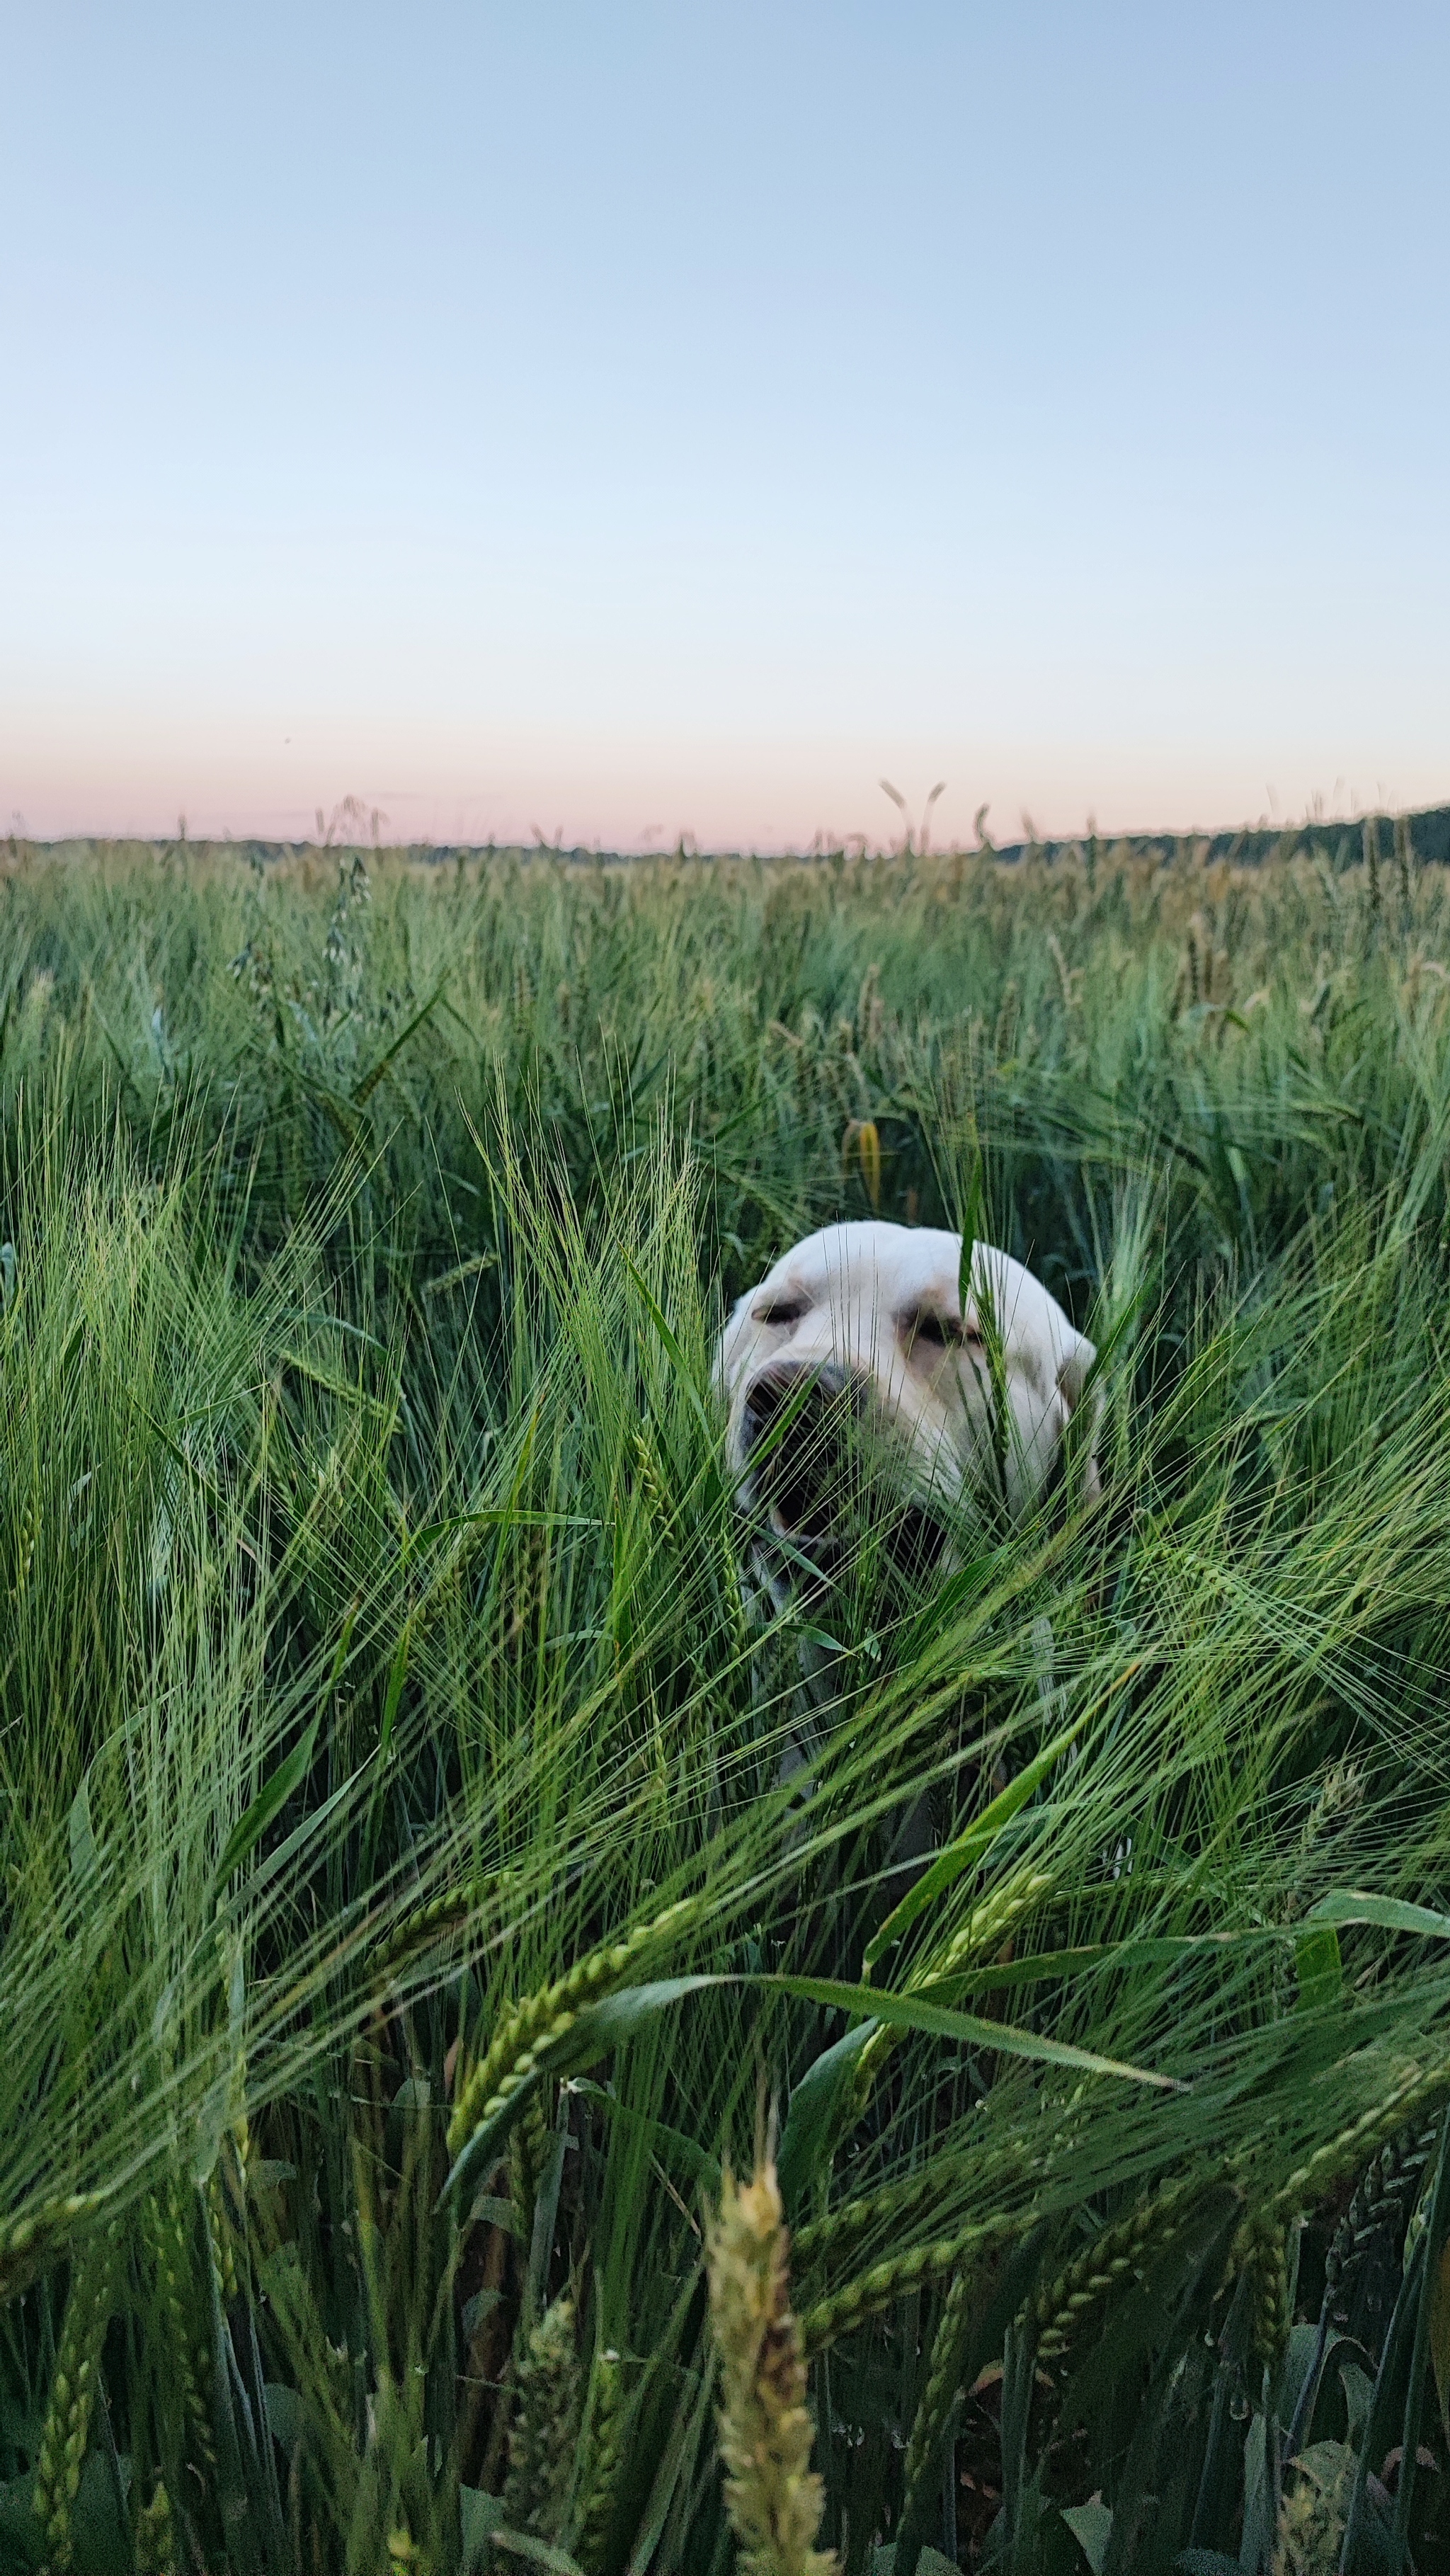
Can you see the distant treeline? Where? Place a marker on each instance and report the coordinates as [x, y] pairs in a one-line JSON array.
[[1424, 838]]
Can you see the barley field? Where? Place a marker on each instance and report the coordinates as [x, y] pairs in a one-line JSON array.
[[459, 2109]]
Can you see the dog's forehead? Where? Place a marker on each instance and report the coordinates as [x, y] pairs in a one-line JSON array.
[[878, 1263], [877, 1267]]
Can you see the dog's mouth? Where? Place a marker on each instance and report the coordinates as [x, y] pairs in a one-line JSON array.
[[830, 1483], [917, 1541], [801, 1438]]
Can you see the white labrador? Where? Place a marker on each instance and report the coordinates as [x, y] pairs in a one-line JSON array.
[[866, 1323]]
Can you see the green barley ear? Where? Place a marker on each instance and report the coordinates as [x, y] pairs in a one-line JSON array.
[[528, 2154], [225, 2199], [525, 2029], [898, 2276], [1262, 2240], [990, 1923], [43, 2236], [603, 2453], [544, 2435], [156, 2550], [168, 2220], [89, 2303], [417, 1931], [1064, 2308], [1386, 2191], [928, 2432], [1402, 2106], [773, 2496]]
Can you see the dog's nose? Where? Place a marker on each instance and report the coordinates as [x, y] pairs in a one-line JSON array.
[[796, 1387], [798, 1425]]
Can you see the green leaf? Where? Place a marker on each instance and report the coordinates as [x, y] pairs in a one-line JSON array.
[[1318, 1967], [602, 2026], [1440, 2333], [1435, 2237], [284, 2415], [1387, 1913], [1091, 2525], [212, 2120], [1300, 2376], [479, 2516], [102, 2542], [1327, 2463], [672, 2145], [363, 1090], [311, 1830], [269, 1801], [1064, 1965], [1358, 2390], [80, 1834], [616, 2016], [489, 2211], [969, 1847], [810, 2126], [912, 2012], [22, 2535], [542, 2553], [396, 1678]]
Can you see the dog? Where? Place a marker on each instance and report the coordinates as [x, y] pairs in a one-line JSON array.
[[858, 1352], [859, 1339]]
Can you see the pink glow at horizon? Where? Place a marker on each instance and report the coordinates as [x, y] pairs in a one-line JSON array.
[[762, 797]]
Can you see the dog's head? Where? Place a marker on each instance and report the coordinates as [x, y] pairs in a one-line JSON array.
[[858, 1340]]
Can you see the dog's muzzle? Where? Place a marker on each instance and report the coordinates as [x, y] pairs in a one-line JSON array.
[[826, 1470], [800, 1433]]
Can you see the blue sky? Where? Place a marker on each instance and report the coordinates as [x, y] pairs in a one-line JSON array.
[[640, 419]]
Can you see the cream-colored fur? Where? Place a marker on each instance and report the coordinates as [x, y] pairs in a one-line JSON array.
[[872, 1312]]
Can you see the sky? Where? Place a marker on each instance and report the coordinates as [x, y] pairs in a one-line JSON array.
[[620, 422]]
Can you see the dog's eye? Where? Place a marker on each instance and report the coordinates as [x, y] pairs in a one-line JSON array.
[[938, 1332], [934, 1329], [786, 1310]]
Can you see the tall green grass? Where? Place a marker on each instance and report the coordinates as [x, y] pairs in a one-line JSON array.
[[405, 1922]]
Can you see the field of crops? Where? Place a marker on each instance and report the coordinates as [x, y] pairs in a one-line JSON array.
[[408, 1949]]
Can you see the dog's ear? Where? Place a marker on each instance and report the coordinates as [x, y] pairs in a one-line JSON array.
[[1074, 1363]]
